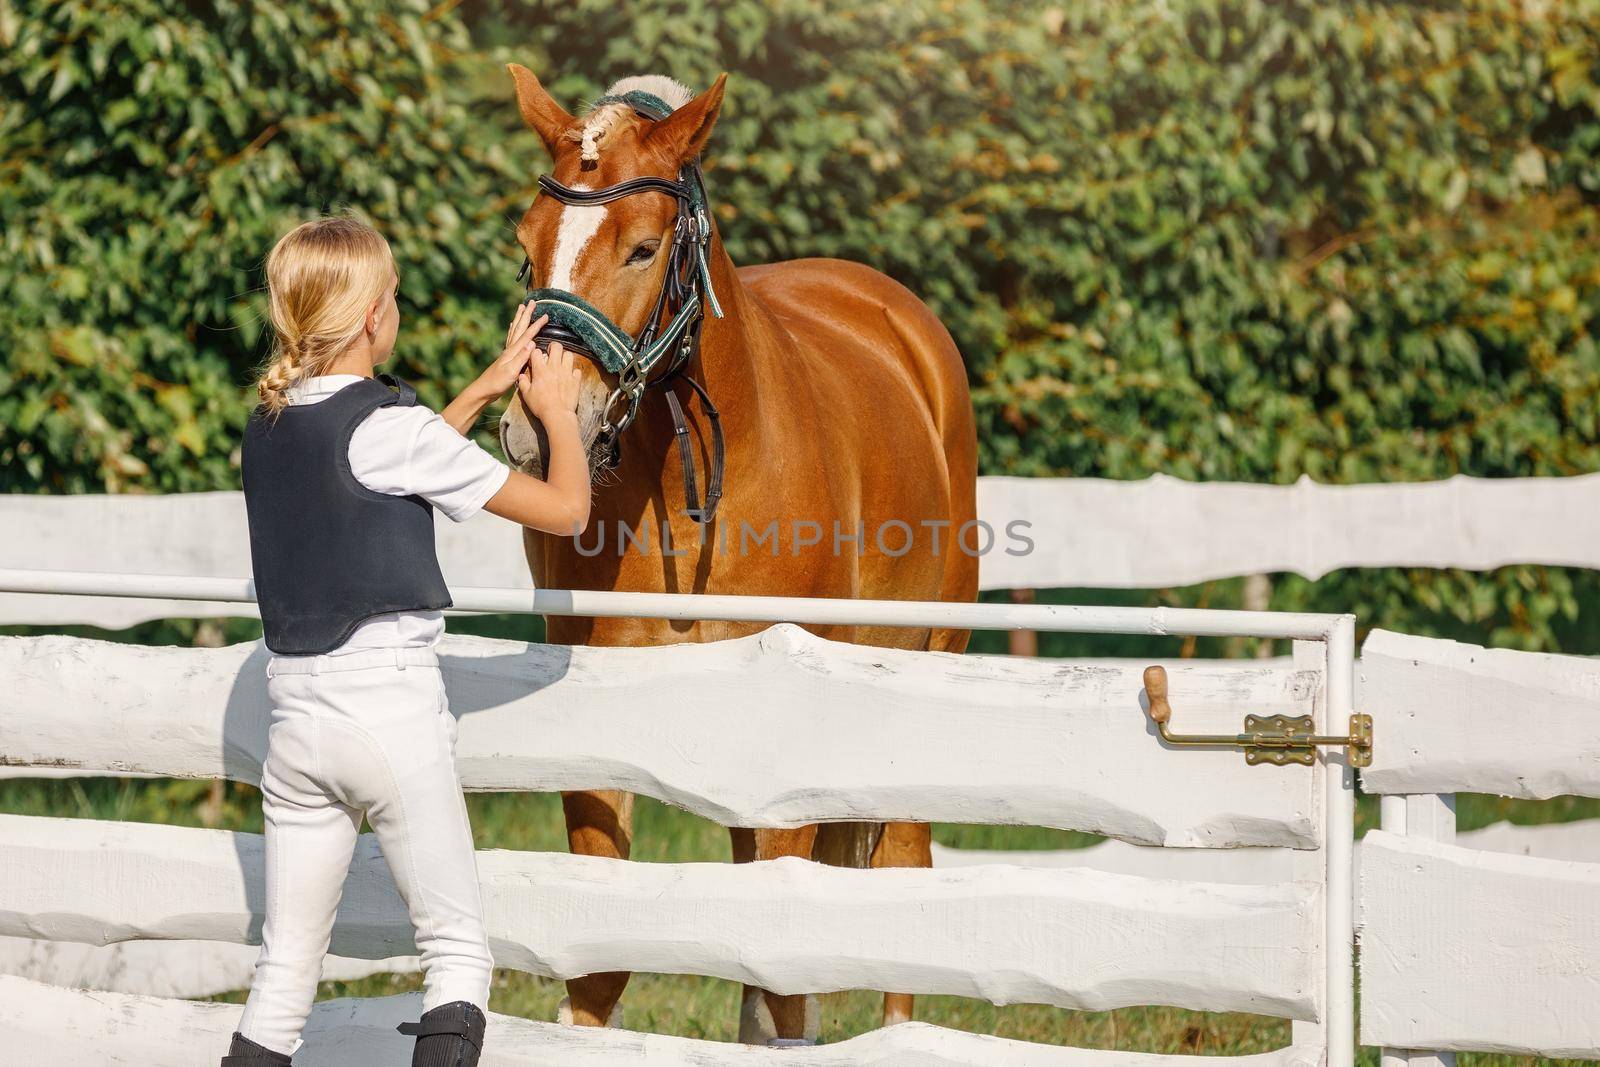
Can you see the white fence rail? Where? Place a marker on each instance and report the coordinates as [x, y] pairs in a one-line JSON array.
[[1576, 841], [167, 968], [179, 968], [1081, 939], [996, 740], [780, 728], [154, 1032], [1462, 718], [1464, 949], [1083, 532]]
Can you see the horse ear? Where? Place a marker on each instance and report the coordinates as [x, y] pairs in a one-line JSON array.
[[539, 110], [685, 132]]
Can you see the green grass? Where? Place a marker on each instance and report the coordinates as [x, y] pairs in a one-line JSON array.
[[708, 1008]]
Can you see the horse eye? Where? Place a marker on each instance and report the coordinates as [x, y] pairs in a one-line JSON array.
[[644, 253]]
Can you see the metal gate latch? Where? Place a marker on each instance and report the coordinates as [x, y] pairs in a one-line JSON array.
[[1275, 739]]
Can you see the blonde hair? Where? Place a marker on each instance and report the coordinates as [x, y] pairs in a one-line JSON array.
[[322, 276]]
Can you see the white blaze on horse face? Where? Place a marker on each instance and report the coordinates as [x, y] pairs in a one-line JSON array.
[[577, 228]]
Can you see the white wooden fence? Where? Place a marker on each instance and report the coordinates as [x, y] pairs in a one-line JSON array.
[[1464, 948], [1489, 941], [996, 740]]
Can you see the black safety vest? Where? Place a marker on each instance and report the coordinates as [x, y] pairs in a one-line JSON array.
[[326, 551]]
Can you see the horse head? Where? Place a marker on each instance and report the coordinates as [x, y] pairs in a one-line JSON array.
[[614, 255]]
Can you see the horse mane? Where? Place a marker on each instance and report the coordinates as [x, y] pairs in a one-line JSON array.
[[600, 122]]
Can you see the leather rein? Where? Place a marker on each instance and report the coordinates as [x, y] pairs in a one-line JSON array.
[[671, 332]]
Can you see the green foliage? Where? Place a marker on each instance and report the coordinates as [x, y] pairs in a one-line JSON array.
[[152, 155], [1221, 239]]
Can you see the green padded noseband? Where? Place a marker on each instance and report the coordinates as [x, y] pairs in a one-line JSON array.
[[592, 331]]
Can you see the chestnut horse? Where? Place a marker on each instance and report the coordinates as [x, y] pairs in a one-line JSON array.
[[843, 400]]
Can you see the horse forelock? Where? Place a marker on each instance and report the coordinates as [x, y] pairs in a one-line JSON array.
[[601, 122], [596, 129]]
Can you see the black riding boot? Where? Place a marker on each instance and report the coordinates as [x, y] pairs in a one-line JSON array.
[[246, 1053], [450, 1035]]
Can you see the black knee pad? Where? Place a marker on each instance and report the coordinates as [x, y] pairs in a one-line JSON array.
[[450, 1035], [246, 1053]]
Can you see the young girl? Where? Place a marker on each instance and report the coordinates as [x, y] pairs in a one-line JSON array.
[[342, 472]]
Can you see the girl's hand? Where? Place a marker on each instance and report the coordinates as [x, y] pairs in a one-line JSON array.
[[549, 384], [502, 374]]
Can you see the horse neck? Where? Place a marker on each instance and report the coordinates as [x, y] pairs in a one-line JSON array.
[[735, 361]]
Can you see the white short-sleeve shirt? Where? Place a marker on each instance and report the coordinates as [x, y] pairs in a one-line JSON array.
[[409, 451]]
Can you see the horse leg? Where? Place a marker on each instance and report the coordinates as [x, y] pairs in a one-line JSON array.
[[910, 844], [763, 1015], [902, 844], [599, 823]]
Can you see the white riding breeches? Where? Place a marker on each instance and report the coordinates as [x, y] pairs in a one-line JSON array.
[[362, 732]]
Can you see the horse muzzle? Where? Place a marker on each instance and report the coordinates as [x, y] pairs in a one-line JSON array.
[[526, 444]]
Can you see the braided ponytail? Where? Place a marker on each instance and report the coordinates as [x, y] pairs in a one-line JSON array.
[[281, 372], [322, 277]]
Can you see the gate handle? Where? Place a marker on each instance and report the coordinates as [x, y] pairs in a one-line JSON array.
[[1155, 684], [1275, 739]]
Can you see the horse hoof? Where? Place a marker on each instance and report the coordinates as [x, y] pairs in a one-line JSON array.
[[564, 1014], [757, 1028]]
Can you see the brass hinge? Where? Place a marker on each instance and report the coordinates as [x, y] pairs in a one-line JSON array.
[[1275, 739]]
